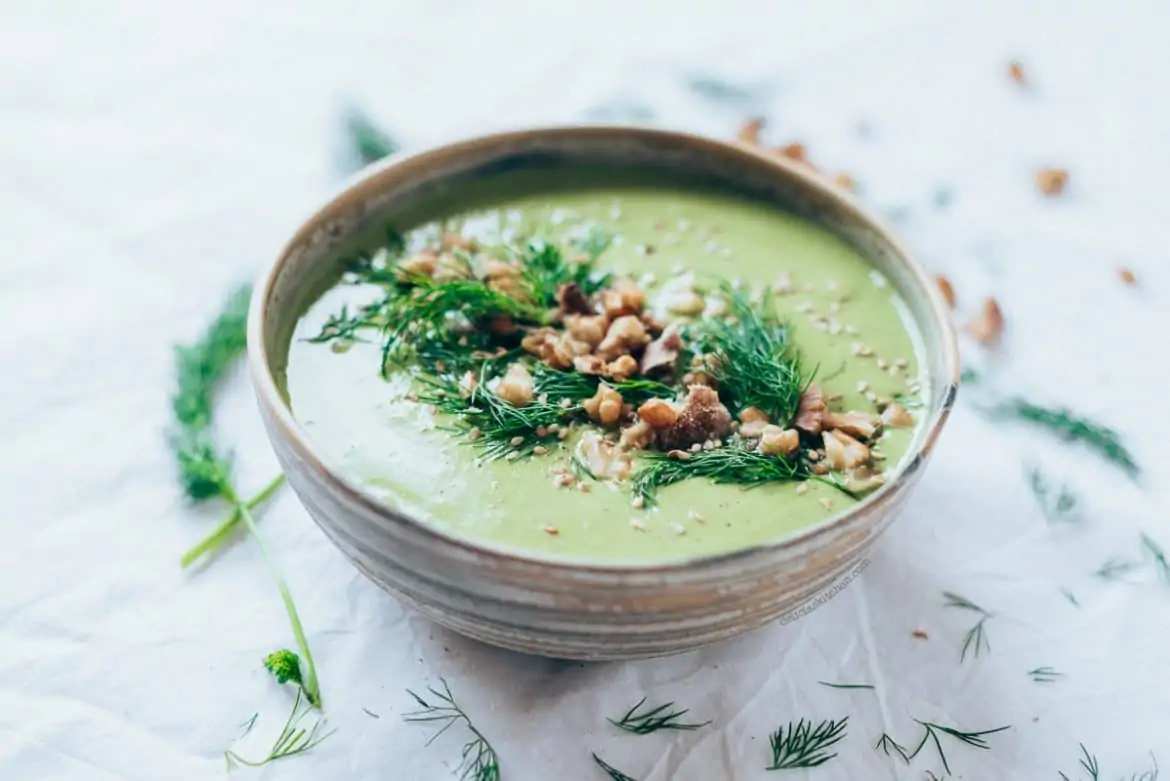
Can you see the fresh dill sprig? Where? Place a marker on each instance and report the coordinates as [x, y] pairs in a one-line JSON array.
[[479, 761], [975, 640], [1045, 675], [367, 142], [578, 387], [203, 472], [655, 719], [886, 744], [613, 772], [727, 464], [1089, 763], [1116, 568], [1149, 775], [1061, 507], [219, 536], [847, 685], [1158, 555], [1071, 597], [803, 745], [717, 90], [292, 740], [932, 731], [1073, 428], [750, 357]]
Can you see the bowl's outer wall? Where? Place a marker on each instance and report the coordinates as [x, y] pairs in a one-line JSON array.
[[567, 609]]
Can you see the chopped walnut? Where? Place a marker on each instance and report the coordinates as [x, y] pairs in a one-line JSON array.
[[505, 278], [863, 480], [420, 264], [843, 451], [811, 411], [752, 414], [636, 437], [572, 300], [861, 425], [753, 429], [1127, 276], [845, 182], [896, 416], [587, 328], [589, 364], [661, 353], [621, 367], [516, 386], [987, 327], [658, 413], [1051, 181], [944, 287], [796, 152], [702, 371], [626, 334], [558, 350], [502, 325], [776, 441], [624, 297], [701, 418], [452, 240], [749, 131], [604, 459], [605, 406]]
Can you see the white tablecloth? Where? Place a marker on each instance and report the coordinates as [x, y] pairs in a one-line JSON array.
[[155, 154]]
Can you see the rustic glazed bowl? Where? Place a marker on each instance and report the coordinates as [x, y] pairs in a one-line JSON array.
[[561, 608]]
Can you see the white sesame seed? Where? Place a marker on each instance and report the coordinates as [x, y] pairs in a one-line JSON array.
[[693, 515], [831, 284], [882, 364], [871, 397], [539, 450], [678, 528], [710, 246], [834, 397], [683, 224], [554, 428], [826, 502], [474, 434], [862, 386], [725, 252], [856, 347], [512, 456], [834, 307], [615, 213], [584, 487], [695, 448], [801, 488], [517, 441], [677, 268], [894, 371], [814, 455], [637, 524], [551, 530], [804, 307], [851, 330], [821, 324], [834, 328], [639, 502], [877, 456], [901, 363]]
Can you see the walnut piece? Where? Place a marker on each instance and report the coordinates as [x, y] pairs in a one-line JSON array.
[[624, 297], [1051, 181], [420, 264], [753, 429], [845, 182], [505, 278], [749, 131], [516, 386], [605, 406], [636, 437], [589, 364], [702, 417], [558, 350], [861, 425], [811, 410], [625, 335], [843, 451], [776, 441], [896, 416], [658, 413], [944, 287], [987, 327], [587, 328], [752, 414], [1127, 276], [621, 367], [661, 353], [572, 300], [605, 460]]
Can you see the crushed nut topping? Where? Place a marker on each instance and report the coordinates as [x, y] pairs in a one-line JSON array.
[[861, 425], [1051, 181], [896, 416], [811, 410], [661, 354], [944, 287], [603, 458], [516, 386], [776, 441], [843, 452], [605, 406], [1127, 276], [658, 413], [749, 131], [625, 335], [702, 417], [987, 327]]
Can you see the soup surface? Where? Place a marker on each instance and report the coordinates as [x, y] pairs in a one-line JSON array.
[[845, 322]]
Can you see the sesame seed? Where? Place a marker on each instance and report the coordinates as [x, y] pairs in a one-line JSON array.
[[814, 455], [804, 307], [677, 268], [542, 398], [894, 371], [801, 489], [831, 284], [826, 502], [683, 224], [517, 441], [539, 450], [882, 364], [566, 402], [474, 434], [696, 447], [693, 515], [871, 397], [639, 502], [584, 487], [541, 432], [851, 330], [562, 434], [637, 524], [554, 428], [512, 456], [901, 363], [551, 530], [678, 528], [834, 397], [725, 252], [834, 328], [821, 324], [834, 307], [710, 246], [615, 213], [877, 456], [862, 386], [819, 469]]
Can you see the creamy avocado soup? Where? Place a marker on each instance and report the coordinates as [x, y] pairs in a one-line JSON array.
[[608, 367]]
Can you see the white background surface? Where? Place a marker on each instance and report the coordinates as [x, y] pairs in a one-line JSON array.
[[155, 154]]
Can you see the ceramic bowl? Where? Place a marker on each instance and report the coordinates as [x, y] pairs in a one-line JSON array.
[[565, 609]]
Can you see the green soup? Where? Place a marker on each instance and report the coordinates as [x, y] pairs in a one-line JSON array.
[[846, 319]]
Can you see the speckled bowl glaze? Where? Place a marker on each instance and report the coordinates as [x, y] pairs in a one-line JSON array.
[[583, 610]]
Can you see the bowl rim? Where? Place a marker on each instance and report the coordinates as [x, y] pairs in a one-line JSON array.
[[281, 417]]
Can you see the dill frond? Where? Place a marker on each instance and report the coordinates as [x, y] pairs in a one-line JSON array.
[[219, 536], [292, 740], [1071, 427], [975, 640], [200, 366], [1089, 764], [847, 685], [654, 719], [1071, 597], [1045, 675], [612, 772], [886, 744], [932, 732], [803, 745], [479, 761], [1061, 507], [367, 142], [1116, 568], [751, 358], [1158, 555], [727, 464]]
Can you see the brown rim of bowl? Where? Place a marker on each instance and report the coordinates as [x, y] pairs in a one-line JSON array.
[[267, 394]]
